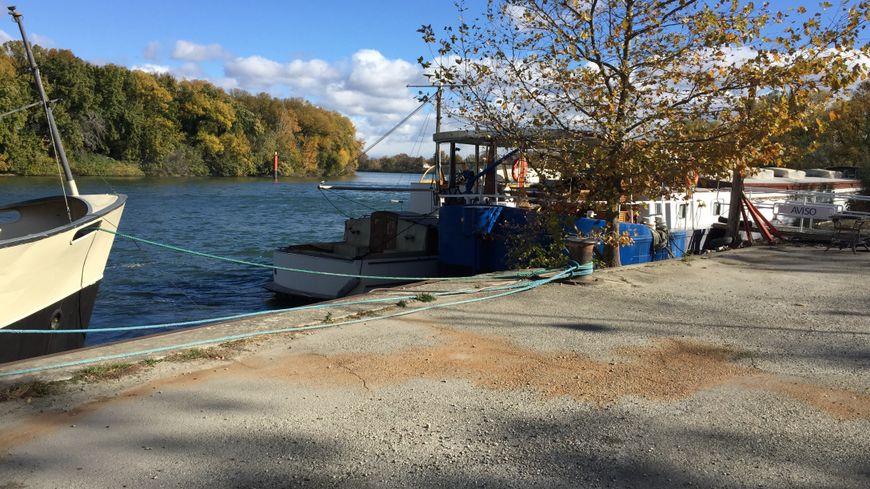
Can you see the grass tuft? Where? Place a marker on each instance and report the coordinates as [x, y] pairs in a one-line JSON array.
[[150, 362], [196, 354], [107, 371], [27, 390], [425, 297]]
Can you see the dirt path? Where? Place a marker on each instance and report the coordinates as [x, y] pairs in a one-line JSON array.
[[747, 369]]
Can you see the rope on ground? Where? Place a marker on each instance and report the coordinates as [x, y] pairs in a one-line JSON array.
[[572, 271], [579, 270], [525, 273]]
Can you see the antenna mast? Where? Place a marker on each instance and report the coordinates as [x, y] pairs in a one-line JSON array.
[[52, 126]]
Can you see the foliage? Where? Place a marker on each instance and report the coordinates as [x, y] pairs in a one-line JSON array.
[[539, 242], [835, 135], [106, 371], [400, 163], [89, 164], [109, 116], [27, 390], [631, 96], [404, 163]]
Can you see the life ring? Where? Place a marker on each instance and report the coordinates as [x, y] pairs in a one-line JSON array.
[[692, 179], [520, 171]]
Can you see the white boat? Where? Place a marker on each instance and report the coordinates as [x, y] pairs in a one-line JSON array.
[[52, 256], [380, 250], [51, 265], [384, 244]]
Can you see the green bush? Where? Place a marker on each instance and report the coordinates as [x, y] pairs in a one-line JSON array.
[[90, 164]]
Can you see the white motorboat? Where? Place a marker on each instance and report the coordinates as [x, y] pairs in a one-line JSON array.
[[52, 256], [384, 244], [51, 264]]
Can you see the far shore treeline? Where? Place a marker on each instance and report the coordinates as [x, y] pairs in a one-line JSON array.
[[116, 121]]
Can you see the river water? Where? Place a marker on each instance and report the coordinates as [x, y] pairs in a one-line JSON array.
[[243, 218]]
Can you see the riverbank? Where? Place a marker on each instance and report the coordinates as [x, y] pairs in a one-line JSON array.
[[741, 369]]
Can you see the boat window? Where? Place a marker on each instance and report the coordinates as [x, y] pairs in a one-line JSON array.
[[683, 210], [717, 208], [8, 217]]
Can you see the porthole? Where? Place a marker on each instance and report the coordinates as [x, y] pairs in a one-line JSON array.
[[56, 320]]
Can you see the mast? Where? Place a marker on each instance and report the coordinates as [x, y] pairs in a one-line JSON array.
[[52, 126]]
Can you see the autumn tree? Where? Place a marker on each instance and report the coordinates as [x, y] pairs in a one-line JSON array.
[[18, 142], [838, 134], [120, 121], [643, 92]]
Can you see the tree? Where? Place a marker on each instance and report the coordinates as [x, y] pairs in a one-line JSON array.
[[644, 93], [157, 125]]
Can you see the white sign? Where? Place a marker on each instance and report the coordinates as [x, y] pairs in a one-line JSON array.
[[807, 210]]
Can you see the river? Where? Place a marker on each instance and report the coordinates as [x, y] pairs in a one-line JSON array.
[[244, 218]]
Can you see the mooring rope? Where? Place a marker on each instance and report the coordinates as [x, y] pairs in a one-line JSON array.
[[198, 322], [573, 270], [512, 275]]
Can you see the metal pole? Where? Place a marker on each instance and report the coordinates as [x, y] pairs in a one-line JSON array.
[[55, 135], [802, 219], [275, 168], [437, 161]]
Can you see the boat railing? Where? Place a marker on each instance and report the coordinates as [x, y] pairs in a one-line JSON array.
[[817, 207]]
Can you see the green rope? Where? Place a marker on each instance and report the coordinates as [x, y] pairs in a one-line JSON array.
[[199, 322], [521, 274], [572, 271]]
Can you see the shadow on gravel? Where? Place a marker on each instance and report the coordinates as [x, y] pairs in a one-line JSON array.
[[586, 447], [787, 260], [589, 328], [484, 319], [496, 440]]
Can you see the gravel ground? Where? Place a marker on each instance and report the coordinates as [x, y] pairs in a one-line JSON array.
[[745, 369]]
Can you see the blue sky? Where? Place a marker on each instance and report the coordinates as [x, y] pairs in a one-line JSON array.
[[352, 56], [364, 51], [119, 31]]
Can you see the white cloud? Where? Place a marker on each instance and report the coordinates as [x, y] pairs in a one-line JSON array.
[[188, 71], [189, 51], [152, 68], [257, 72], [226, 83], [369, 88], [41, 40], [373, 74], [152, 51]]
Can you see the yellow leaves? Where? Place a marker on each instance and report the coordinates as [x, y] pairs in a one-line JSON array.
[[801, 10], [833, 115], [210, 143], [149, 90]]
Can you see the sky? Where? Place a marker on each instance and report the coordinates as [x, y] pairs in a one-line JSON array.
[[351, 56]]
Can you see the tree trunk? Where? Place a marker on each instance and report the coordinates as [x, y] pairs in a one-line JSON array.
[[733, 230], [611, 250]]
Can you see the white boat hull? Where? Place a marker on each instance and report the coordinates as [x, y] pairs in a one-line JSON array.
[[49, 274], [320, 286]]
